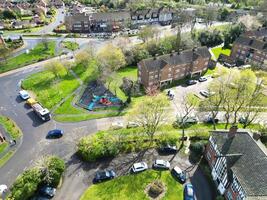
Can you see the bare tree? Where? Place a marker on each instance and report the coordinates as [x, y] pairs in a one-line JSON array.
[[150, 113], [188, 106]]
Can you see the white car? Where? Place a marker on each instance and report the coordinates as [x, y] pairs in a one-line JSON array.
[[132, 125], [161, 164], [117, 125], [139, 167], [24, 94], [3, 189], [202, 79], [204, 93]]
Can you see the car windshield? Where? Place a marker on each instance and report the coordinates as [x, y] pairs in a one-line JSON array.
[[190, 191]]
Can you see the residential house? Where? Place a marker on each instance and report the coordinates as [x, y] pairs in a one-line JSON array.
[[165, 15], [260, 33], [97, 22], [238, 164], [250, 50], [162, 70]]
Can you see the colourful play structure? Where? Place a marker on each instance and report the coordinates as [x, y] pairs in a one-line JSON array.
[[104, 100]]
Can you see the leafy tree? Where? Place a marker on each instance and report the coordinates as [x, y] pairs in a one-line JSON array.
[[210, 15], [6, 14], [210, 38], [231, 34], [56, 68], [4, 52], [150, 113], [148, 32], [110, 61], [83, 58]]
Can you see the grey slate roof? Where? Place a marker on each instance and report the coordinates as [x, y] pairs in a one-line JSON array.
[[252, 42], [185, 57], [251, 167]]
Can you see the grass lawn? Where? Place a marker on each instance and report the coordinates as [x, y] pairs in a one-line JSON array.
[[10, 127], [132, 187], [218, 50], [129, 72], [48, 89], [37, 54], [70, 45], [28, 30]]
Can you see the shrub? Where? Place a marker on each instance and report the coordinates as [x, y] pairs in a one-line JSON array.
[[156, 188], [55, 169], [26, 184], [197, 148]]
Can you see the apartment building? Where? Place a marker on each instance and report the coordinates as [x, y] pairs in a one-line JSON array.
[[86, 19], [162, 70], [250, 50], [238, 164]]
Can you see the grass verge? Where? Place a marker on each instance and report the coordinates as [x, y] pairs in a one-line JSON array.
[[70, 45], [6, 157], [122, 188], [39, 53]]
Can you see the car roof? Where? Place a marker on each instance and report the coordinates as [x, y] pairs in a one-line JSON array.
[[137, 165], [23, 92], [177, 169], [160, 162]]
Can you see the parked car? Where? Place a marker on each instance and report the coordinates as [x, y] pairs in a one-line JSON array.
[[188, 120], [178, 173], [189, 193], [139, 167], [104, 175], [191, 82], [204, 93], [210, 120], [242, 120], [56, 133], [202, 79], [48, 191], [117, 125], [132, 125], [24, 94], [171, 149], [161, 164], [31, 101]]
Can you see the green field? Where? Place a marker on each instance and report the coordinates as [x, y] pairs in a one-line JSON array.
[[218, 50], [39, 53], [10, 127], [132, 187]]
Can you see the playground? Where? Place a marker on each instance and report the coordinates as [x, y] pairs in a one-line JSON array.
[[97, 96]]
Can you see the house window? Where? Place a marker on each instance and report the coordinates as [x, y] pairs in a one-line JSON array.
[[170, 69], [150, 83], [177, 70], [156, 76], [208, 155], [169, 75], [243, 52], [206, 63], [229, 195]]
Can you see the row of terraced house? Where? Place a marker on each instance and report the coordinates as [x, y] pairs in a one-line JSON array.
[[83, 20]]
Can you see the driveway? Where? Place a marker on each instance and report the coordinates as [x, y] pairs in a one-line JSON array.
[[80, 175]]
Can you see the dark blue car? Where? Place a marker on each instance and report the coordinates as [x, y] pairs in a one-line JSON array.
[[104, 175], [189, 193], [56, 133]]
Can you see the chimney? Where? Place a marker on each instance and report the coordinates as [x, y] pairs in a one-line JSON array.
[[194, 48], [156, 56], [232, 131], [256, 136]]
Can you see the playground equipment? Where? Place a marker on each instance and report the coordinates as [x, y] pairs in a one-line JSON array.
[[102, 100]]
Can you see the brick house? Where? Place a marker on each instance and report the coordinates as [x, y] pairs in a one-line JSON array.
[[238, 164], [162, 70], [250, 50]]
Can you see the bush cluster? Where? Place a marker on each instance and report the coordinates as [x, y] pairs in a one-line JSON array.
[[27, 184], [111, 143]]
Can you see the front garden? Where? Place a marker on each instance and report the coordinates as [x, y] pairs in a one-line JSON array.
[[122, 188], [11, 132]]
